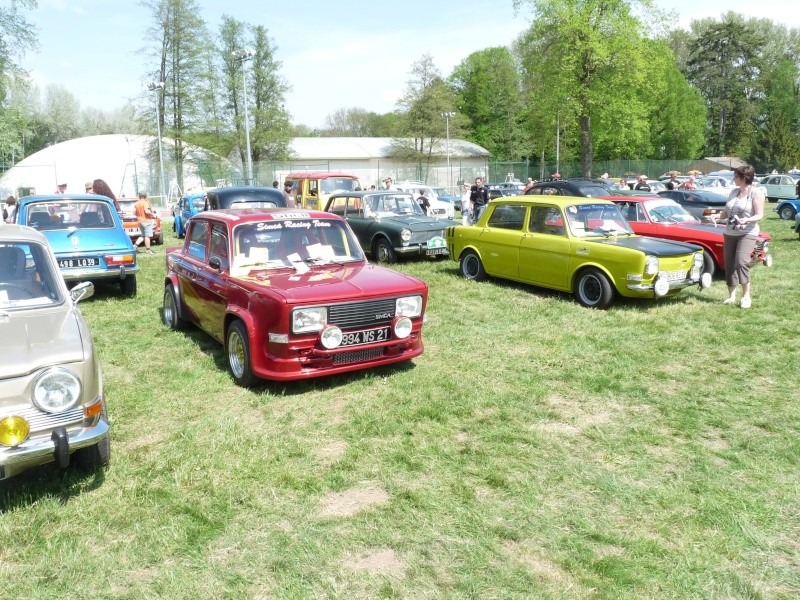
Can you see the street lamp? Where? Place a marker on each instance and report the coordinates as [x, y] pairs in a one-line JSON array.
[[243, 56], [447, 116], [156, 85]]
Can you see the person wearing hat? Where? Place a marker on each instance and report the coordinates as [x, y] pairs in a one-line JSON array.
[[642, 184], [287, 193], [388, 184], [61, 188]]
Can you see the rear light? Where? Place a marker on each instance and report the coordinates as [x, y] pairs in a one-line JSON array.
[[123, 259]]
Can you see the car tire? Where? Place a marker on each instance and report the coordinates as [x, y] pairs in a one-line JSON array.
[[170, 313], [95, 456], [237, 349], [128, 285], [383, 252], [471, 267], [708, 263], [787, 212], [593, 289]]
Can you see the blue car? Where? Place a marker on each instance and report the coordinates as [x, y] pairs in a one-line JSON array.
[[788, 209], [86, 234], [188, 206]]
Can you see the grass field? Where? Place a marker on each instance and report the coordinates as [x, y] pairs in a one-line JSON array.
[[536, 450]]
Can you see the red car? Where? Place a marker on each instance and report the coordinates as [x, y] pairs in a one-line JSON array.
[[131, 223], [665, 218], [290, 295]]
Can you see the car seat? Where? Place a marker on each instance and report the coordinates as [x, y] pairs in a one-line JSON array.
[[12, 263], [39, 220], [89, 219]]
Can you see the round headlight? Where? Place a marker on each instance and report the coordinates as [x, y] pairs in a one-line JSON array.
[[56, 390], [13, 431], [651, 265], [405, 234], [661, 286], [402, 327], [331, 337]]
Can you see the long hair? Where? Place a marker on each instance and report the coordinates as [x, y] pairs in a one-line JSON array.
[[101, 188]]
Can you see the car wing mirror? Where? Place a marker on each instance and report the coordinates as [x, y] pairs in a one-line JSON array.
[[82, 291], [215, 263]]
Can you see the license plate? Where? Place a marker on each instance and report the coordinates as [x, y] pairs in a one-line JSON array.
[[74, 263], [368, 336], [132, 230], [435, 251]]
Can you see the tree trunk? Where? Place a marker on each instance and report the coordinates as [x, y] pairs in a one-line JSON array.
[[586, 145]]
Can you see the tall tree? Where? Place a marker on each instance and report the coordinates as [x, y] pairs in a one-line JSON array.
[[488, 93], [421, 125], [180, 47], [357, 122], [724, 64], [578, 54]]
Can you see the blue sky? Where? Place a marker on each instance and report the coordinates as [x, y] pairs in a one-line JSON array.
[[358, 56]]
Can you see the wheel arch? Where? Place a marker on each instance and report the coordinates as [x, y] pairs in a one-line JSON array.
[[593, 265]]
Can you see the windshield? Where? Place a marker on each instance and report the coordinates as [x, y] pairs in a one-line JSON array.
[[27, 276], [126, 206], [294, 243], [593, 191], [591, 220], [69, 214], [199, 204], [338, 184], [670, 213], [390, 205]]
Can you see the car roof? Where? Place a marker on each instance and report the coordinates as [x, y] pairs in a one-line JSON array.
[[63, 197], [362, 193], [318, 175], [10, 232], [235, 216], [549, 200]]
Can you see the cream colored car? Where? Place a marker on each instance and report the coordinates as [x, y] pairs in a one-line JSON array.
[[52, 405]]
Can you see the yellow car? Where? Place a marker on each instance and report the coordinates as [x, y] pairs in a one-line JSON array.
[[579, 245]]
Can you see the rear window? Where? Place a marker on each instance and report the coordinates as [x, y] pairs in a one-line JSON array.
[[64, 215]]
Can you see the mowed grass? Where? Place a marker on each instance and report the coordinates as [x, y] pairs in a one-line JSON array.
[[536, 450]]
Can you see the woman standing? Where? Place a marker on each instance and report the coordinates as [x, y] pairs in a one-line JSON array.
[[466, 207], [745, 208]]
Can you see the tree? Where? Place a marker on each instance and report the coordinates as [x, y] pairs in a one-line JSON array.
[[577, 56], [16, 37], [724, 65], [179, 42], [488, 94], [421, 126], [357, 122]]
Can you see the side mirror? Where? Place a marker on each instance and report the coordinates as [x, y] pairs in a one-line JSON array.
[[215, 263], [82, 291]]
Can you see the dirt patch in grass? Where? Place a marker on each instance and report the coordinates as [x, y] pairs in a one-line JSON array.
[[383, 561], [352, 501], [538, 565], [330, 453]]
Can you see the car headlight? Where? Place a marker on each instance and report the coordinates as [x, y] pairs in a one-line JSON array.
[[408, 306], [697, 260], [651, 265], [56, 390], [405, 234], [305, 320], [402, 328], [331, 337]]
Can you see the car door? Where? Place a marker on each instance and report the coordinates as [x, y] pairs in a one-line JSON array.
[[500, 240], [545, 249], [212, 283], [354, 212], [190, 270]]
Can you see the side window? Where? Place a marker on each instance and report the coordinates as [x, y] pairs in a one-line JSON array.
[[219, 245], [507, 216], [353, 207], [312, 187], [547, 220], [550, 191], [197, 240], [534, 191], [337, 206]]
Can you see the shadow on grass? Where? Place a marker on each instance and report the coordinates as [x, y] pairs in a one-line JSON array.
[[213, 349], [47, 482]]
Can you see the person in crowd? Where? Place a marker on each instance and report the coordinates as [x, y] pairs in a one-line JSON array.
[[388, 184], [743, 211], [423, 202], [372, 188], [102, 188], [641, 184], [688, 184], [466, 204], [797, 189], [89, 187], [61, 188], [555, 176], [10, 209], [144, 214], [275, 184], [287, 193], [478, 199]]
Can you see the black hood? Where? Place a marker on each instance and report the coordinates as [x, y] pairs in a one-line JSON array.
[[652, 246]]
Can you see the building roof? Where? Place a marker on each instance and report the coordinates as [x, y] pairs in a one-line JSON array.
[[355, 148]]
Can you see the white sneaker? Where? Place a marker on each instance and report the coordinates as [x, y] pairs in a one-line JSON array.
[[746, 302], [730, 300]]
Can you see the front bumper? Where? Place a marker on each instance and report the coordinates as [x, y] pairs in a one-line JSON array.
[[421, 250]]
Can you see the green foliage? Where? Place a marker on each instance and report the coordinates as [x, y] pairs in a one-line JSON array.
[[271, 135], [357, 122]]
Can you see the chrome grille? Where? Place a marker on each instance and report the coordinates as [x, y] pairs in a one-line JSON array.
[[362, 314], [420, 237], [357, 356], [41, 421]]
